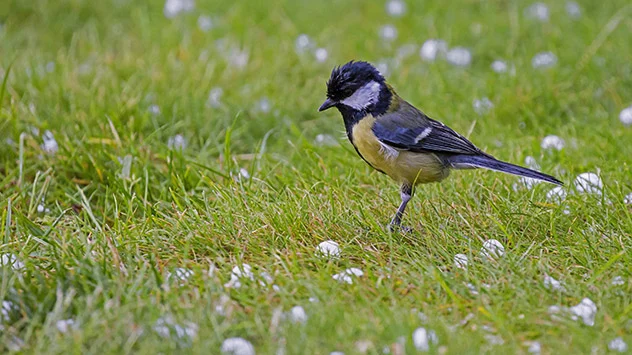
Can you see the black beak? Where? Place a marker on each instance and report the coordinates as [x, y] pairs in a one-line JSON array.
[[329, 103]]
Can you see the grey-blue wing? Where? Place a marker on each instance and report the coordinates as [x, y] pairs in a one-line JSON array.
[[410, 129]]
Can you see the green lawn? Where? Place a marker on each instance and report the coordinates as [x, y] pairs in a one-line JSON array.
[[134, 239]]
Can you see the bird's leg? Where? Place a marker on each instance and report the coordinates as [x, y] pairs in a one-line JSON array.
[[406, 193]]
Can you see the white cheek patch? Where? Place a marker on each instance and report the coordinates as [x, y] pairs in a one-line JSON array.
[[364, 96]]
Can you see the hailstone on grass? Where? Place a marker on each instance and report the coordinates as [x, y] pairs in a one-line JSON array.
[[626, 116], [544, 60], [552, 284], [433, 49], [11, 260], [538, 11], [492, 249], [328, 248], [298, 315], [321, 55], [482, 106], [573, 10], [237, 346], [388, 32], [422, 339], [589, 183], [460, 261], [459, 56], [552, 142], [556, 194], [586, 310], [499, 66], [618, 344], [395, 8]]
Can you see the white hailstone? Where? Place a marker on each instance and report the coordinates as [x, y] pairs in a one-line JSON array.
[[11, 260], [154, 110], [459, 56], [460, 261], [354, 271], [177, 142], [239, 272], [126, 169], [482, 106], [589, 183], [183, 274], [628, 199], [531, 163], [363, 346], [433, 49], [499, 66], [336, 353], [14, 343], [205, 23], [328, 248], [164, 325], [321, 55], [556, 194], [238, 58], [422, 339], [586, 310], [388, 32], [544, 60], [552, 142], [492, 249], [494, 339], [50, 144], [297, 314], [237, 346], [215, 97], [618, 344], [326, 140], [525, 182], [395, 8], [50, 67], [472, 289], [618, 281], [40, 208], [303, 43], [5, 311], [65, 325], [382, 67], [573, 10], [264, 105], [174, 7], [345, 276], [244, 173], [243, 271], [533, 347], [626, 116], [538, 11], [552, 284]]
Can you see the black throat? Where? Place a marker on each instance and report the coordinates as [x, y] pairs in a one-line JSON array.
[[352, 116]]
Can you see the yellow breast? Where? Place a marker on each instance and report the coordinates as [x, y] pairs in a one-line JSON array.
[[402, 166]]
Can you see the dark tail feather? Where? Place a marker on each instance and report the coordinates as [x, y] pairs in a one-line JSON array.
[[481, 161]]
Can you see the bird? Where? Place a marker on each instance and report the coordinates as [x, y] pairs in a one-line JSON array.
[[399, 140]]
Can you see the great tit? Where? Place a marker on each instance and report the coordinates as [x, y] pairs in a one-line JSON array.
[[399, 140]]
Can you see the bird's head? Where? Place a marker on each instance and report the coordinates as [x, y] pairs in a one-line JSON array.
[[357, 86]]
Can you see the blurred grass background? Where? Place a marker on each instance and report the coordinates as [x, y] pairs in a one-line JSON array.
[[117, 79]]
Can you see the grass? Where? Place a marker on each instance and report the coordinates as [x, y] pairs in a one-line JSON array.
[[101, 250]]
